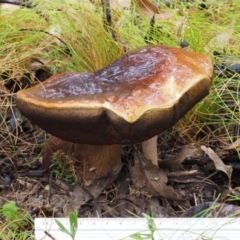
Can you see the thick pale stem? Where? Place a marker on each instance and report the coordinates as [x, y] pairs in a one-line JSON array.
[[90, 161], [149, 148]]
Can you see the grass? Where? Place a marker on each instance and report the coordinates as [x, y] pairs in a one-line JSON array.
[[17, 224], [215, 30], [70, 37], [73, 220], [85, 46], [62, 167]]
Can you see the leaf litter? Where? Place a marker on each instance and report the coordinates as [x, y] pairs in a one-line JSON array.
[[218, 162], [176, 191], [149, 178]]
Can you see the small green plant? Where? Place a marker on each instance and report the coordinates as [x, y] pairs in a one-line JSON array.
[[151, 227], [63, 167], [73, 219], [16, 223]]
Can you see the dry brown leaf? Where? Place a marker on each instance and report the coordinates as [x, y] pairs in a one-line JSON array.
[[158, 180], [218, 162], [222, 39], [81, 195], [98, 185], [146, 7], [78, 198], [175, 163], [165, 15], [149, 178], [57, 202]]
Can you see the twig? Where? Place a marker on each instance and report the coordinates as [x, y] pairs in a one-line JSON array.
[[107, 18], [49, 235], [50, 187]]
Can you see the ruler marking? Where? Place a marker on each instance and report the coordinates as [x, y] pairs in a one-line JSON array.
[[120, 228]]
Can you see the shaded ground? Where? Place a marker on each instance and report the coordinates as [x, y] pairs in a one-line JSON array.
[[187, 182]]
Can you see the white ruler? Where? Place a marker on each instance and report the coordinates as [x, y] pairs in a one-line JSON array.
[[122, 228]]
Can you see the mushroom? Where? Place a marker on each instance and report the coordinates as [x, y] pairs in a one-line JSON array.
[[129, 101]]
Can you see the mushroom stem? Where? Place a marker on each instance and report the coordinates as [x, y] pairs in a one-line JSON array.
[[95, 161], [90, 162], [149, 148]]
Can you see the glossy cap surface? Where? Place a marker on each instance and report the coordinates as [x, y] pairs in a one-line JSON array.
[[138, 96]]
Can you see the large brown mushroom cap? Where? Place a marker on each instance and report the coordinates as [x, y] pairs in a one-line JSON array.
[[138, 96]]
